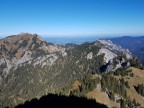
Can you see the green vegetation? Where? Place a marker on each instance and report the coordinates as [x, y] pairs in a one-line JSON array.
[[140, 89], [87, 85], [123, 72], [122, 103], [114, 86], [39, 52], [136, 63], [28, 81]]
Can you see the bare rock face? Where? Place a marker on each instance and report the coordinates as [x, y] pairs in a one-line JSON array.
[[89, 55], [108, 44], [47, 60], [26, 57], [112, 51], [108, 55], [114, 48], [5, 67]]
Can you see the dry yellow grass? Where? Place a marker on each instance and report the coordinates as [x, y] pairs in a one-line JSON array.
[[138, 78], [137, 72], [76, 85], [134, 81], [101, 97]]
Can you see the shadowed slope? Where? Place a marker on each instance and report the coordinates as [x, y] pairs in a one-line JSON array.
[[55, 101]]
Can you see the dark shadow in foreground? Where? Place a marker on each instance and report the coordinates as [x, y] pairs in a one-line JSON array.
[[59, 101]]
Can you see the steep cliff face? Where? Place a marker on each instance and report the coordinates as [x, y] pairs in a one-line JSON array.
[[31, 67], [114, 56]]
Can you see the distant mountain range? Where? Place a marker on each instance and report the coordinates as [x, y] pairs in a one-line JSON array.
[[134, 44]]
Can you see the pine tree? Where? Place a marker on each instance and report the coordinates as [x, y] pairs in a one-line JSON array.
[[123, 104]]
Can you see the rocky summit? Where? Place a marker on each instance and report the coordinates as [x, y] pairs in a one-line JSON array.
[[31, 67]]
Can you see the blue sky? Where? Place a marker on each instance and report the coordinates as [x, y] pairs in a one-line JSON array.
[[72, 17]]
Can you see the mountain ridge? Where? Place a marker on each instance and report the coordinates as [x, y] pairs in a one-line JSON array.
[[44, 68]]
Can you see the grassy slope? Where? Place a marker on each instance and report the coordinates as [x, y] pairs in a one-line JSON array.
[[103, 98], [134, 81]]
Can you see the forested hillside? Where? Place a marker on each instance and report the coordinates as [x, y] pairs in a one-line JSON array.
[[31, 68]]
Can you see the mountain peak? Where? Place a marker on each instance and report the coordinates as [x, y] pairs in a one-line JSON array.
[[21, 36], [22, 48], [19, 43]]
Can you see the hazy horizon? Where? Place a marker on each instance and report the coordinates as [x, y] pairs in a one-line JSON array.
[[63, 40], [74, 36]]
